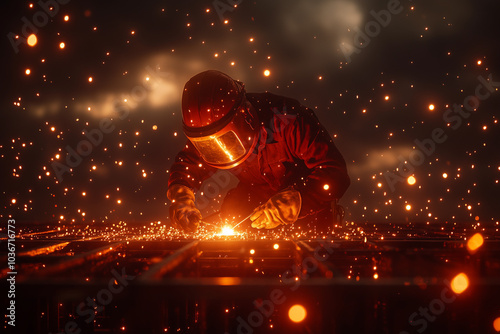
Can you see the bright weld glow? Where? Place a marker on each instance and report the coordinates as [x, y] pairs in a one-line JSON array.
[[227, 230]]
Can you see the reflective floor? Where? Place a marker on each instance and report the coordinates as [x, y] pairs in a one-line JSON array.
[[134, 278]]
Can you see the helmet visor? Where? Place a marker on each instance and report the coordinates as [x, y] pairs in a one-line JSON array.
[[220, 149]]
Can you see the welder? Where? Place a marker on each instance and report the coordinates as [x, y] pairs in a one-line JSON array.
[[289, 170]]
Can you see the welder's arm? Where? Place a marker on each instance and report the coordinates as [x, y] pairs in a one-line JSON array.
[[308, 140], [186, 175], [282, 208], [183, 212], [189, 169]]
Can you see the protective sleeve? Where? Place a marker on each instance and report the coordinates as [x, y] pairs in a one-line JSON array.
[[189, 169], [328, 180]]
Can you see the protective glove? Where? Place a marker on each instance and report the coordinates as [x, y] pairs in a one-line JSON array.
[[282, 208], [183, 212]]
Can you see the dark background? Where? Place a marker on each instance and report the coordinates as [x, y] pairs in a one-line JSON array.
[[428, 54]]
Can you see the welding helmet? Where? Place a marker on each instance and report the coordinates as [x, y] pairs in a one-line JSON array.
[[218, 120]]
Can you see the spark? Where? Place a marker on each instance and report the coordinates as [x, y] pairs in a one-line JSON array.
[[276, 246], [267, 73], [479, 62], [62, 45], [66, 18], [408, 207], [28, 71], [411, 180], [326, 186], [32, 40], [386, 97], [431, 107], [91, 79], [252, 251]]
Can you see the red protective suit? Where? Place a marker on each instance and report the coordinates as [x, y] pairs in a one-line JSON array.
[[294, 150]]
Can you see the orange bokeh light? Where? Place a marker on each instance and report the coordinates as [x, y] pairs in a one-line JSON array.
[[475, 242], [496, 324], [297, 313], [459, 283], [32, 40]]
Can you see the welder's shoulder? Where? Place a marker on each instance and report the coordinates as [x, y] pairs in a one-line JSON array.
[[276, 104]]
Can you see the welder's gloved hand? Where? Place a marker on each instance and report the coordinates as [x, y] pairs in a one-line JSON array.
[[282, 208], [183, 212]]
